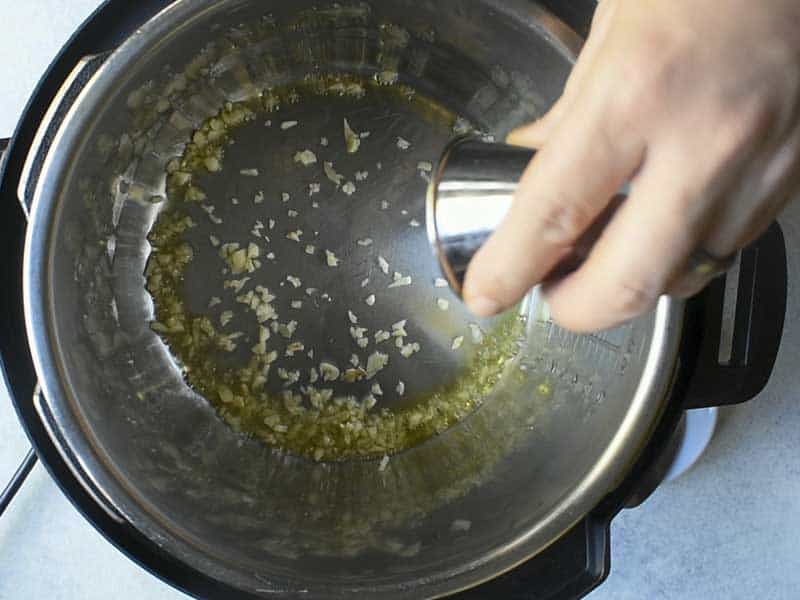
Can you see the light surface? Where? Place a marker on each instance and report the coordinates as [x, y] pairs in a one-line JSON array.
[[726, 530]]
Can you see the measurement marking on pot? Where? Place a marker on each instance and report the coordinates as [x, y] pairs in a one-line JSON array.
[[605, 343]]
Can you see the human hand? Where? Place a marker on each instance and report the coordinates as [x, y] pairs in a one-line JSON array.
[[696, 103]]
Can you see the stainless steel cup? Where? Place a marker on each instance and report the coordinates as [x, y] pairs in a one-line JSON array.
[[469, 195]]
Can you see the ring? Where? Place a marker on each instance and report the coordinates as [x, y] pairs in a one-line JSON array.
[[705, 264]]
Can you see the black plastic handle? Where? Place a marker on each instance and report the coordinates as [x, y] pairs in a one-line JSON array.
[[757, 328], [570, 568]]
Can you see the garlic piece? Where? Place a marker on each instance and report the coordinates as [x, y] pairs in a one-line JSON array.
[[331, 259], [351, 139], [305, 158], [329, 371], [332, 175], [401, 282], [376, 363]]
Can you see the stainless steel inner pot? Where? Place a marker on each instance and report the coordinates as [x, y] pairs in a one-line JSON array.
[[548, 443]]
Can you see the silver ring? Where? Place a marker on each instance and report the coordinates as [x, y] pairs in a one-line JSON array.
[[704, 264]]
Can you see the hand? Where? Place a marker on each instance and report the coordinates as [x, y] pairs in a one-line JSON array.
[[696, 103]]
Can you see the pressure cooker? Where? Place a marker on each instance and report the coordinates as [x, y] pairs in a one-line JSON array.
[[513, 500]]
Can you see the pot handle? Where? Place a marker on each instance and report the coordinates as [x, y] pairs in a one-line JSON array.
[[757, 327], [56, 112], [16, 225], [570, 568], [69, 91]]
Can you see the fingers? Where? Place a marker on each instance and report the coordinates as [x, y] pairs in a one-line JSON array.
[[643, 249], [713, 178], [762, 192], [535, 135], [762, 196], [566, 187]]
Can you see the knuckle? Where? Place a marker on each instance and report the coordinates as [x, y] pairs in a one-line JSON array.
[[562, 223], [757, 114], [633, 97], [742, 126], [634, 103], [650, 75]]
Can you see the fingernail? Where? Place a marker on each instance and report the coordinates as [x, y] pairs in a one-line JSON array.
[[484, 307]]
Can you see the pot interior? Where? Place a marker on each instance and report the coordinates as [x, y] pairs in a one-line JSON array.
[[557, 424]]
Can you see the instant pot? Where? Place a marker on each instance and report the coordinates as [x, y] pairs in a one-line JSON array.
[[515, 502]]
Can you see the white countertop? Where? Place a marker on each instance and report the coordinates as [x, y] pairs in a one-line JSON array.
[[727, 530]]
